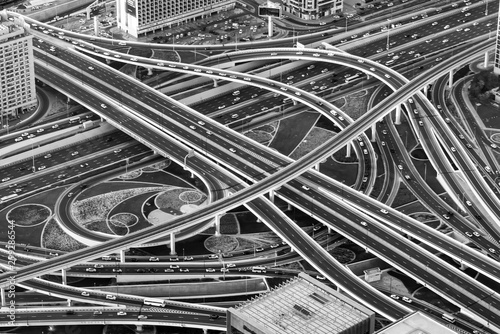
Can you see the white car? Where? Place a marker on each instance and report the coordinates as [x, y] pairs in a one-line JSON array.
[[468, 234], [133, 59], [384, 211], [103, 105], [232, 150], [74, 153], [85, 293], [469, 203], [222, 107], [91, 68]]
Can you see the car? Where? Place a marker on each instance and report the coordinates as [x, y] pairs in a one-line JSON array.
[[254, 96], [468, 234], [173, 259], [42, 167], [298, 93], [210, 270], [121, 313], [214, 317], [384, 211], [493, 145], [467, 14], [168, 270], [453, 149], [184, 270], [40, 130], [91, 270], [91, 68], [31, 136], [192, 127], [406, 299], [160, 64], [259, 249], [74, 153], [446, 216], [18, 139], [232, 150], [476, 234], [140, 270], [387, 75], [118, 56], [247, 79], [420, 123], [467, 29], [446, 26], [142, 316], [400, 167], [222, 107], [363, 223], [492, 250], [274, 246], [55, 126], [224, 270], [115, 270], [133, 59], [70, 194], [154, 259], [213, 256], [47, 156], [365, 179], [85, 293], [98, 266], [469, 203], [395, 296]]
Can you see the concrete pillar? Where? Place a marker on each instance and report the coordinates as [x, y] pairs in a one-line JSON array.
[[348, 151], [338, 288], [150, 70], [215, 83], [108, 61], [69, 302], [426, 89], [217, 225], [288, 207], [398, 115], [64, 277], [269, 26], [69, 99], [486, 58], [271, 195], [450, 79], [2, 292], [329, 229], [172, 244], [205, 330], [374, 130], [463, 266], [316, 166], [122, 255], [138, 328], [258, 220]]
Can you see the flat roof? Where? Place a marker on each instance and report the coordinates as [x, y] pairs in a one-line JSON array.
[[416, 323], [303, 305]]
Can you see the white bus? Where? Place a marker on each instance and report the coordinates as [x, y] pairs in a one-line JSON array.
[[154, 302], [6, 198], [448, 317], [352, 78], [258, 269]]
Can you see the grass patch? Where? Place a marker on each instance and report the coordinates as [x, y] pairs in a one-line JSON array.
[[315, 138], [124, 219], [173, 199], [98, 226], [259, 136], [221, 244], [228, 225], [54, 237], [29, 214]]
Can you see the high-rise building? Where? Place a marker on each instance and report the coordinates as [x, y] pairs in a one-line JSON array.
[[312, 9], [138, 17], [302, 305], [17, 72], [496, 67]]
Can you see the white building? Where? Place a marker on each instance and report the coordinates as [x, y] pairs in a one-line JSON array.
[[312, 9], [17, 73], [138, 17]]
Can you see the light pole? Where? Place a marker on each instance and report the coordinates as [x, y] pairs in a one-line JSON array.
[[425, 171], [388, 29], [189, 155]]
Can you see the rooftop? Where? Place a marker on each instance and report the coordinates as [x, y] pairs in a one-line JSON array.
[[416, 323], [303, 305]]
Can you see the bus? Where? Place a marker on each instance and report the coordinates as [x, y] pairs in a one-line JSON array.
[[351, 78], [8, 197], [154, 302], [448, 317], [288, 100], [74, 120], [258, 269]]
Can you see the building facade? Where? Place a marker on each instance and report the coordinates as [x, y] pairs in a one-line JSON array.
[[312, 9], [496, 67], [17, 72], [138, 17]]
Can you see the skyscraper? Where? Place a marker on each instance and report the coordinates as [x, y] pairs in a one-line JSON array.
[[17, 73], [137, 17]]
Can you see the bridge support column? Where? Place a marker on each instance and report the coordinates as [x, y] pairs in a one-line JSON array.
[[426, 89], [2, 292], [316, 166], [217, 225], [348, 150], [288, 207], [64, 277], [138, 328], [374, 130], [172, 244], [108, 61], [450, 79], [329, 229], [271, 195], [215, 83], [52, 328], [150, 70], [398, 115], [258, 220], [69, 99], [122, 255], [270, 26], [205, 330], [463, 266], [486, 58]]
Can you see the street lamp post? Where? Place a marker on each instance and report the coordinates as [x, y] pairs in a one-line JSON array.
[[425, 171], [388, 29]]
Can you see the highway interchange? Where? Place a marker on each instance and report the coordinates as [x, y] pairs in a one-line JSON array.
[[254, 162]]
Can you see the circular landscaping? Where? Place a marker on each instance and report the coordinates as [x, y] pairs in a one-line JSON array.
[[172, 200], [131, 175], [29, 215], [343, 255], [221, 243], [125, 219]]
